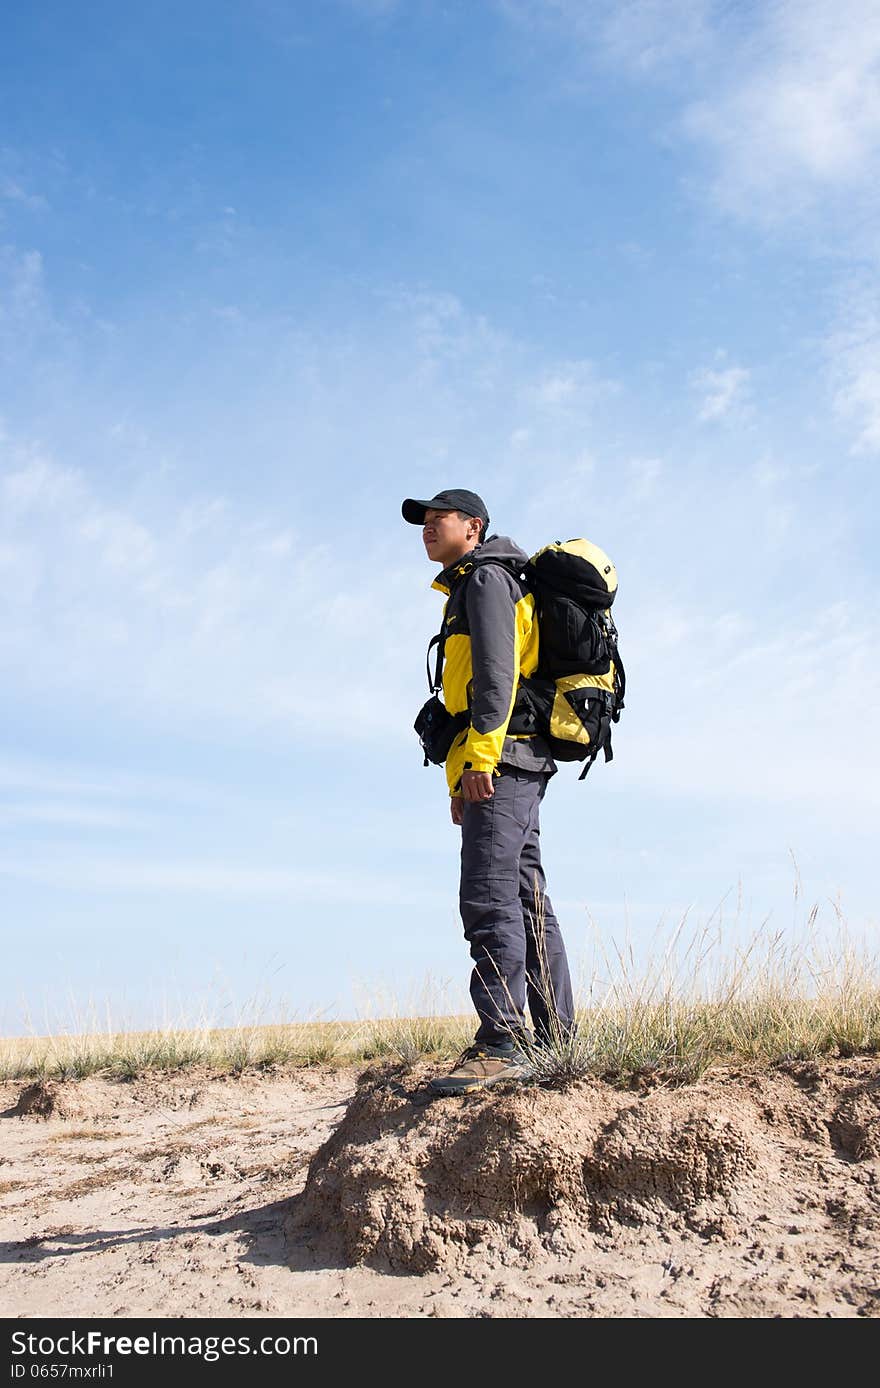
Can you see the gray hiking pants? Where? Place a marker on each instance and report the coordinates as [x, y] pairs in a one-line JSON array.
[[518, 954]]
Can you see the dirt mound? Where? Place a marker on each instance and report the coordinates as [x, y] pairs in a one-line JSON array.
[[753, 1193], [520, 1172], [36, 1100], [99, 1097], [668, 1155], [855, 1124], [87, 1100]]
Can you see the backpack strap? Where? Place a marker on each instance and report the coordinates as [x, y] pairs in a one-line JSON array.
[[603, 739], [603, 746], [619, 683], [436, 683]]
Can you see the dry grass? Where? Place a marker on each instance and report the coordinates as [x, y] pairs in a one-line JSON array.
[[125, 1055], [698, 1003], [422, 1026], [694, 1004]]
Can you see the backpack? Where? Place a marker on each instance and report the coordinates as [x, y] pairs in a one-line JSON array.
[[578, 688]]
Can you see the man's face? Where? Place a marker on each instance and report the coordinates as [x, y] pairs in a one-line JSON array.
[[447, 536]]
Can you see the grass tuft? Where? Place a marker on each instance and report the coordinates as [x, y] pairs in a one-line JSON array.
[[423, 1029]]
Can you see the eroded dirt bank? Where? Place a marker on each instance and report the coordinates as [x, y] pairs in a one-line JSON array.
[[331, 1192]]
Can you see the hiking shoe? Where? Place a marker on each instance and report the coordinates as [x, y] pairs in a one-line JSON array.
[[480, 1066]]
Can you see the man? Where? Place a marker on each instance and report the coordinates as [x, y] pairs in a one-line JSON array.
[[496, 783]]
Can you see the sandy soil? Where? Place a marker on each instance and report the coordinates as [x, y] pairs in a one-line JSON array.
[[754, 1193]]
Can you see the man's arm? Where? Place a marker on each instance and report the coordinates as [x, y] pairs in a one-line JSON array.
[[490, 599]]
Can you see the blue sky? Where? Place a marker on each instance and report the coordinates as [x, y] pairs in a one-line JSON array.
[[266, 269]]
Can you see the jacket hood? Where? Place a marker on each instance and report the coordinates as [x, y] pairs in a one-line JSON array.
[[499, 548], [496, 549]]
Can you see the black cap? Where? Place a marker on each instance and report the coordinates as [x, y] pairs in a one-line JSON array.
[[453, 499]]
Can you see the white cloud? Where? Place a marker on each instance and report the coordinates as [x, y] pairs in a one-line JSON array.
[[12, 191], [195, 612], [373, 9], [216, 877], [120, 541], [23, 308], [802, 117], [768, 473], [63, 815], [130, 593], [645, 474], [570, 383], [190, 609], [553, 390], [445, 336], [783, 96], [782, 103], [771, 710], [854, 357], [649, 35], [34, 483], [83, 790], [722, 391], [641, 35]]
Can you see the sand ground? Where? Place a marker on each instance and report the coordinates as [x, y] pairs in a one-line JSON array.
[[172, 1195]]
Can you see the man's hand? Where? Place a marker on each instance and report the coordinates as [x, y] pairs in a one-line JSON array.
[[477, 785], [456, 805]]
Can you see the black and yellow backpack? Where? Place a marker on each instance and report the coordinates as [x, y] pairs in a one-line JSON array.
[[577, 690]]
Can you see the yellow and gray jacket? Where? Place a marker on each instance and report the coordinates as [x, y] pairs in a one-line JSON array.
[[490, 636]]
